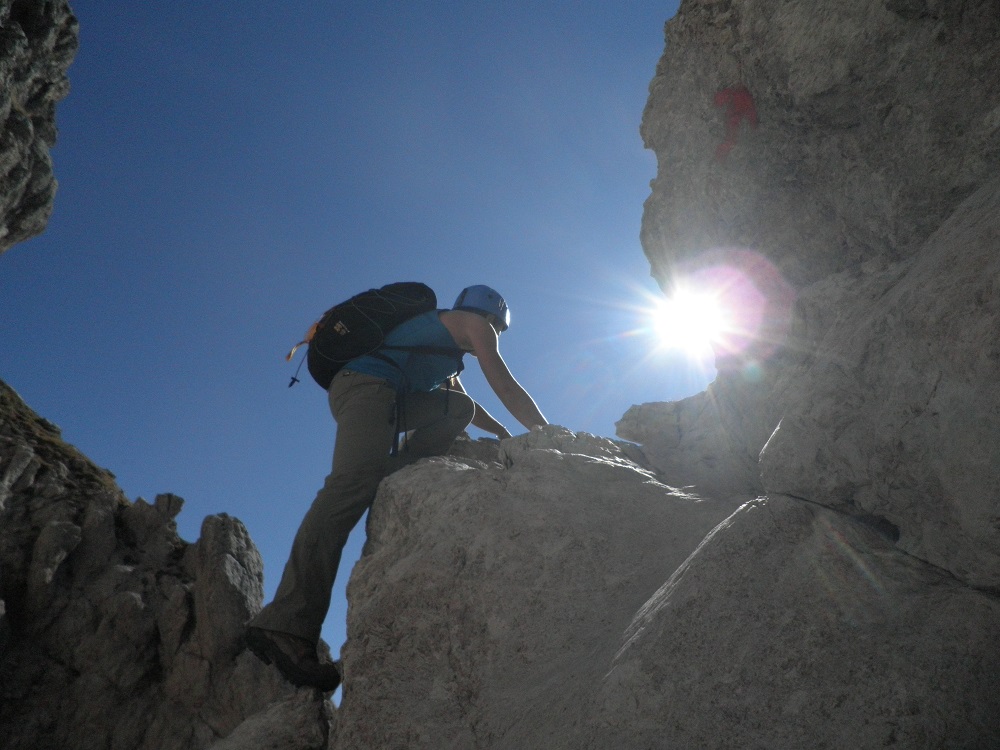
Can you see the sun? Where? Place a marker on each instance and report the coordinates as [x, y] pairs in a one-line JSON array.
[[691, 321]]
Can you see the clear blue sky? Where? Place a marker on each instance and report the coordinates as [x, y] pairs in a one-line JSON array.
[[228, 170]]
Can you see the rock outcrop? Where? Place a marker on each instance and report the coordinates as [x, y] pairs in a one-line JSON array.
[[869, 185], [867, 410], [564, 598], [38, 41], [874, 121], [886, 408], [114, 632], [493, 596]]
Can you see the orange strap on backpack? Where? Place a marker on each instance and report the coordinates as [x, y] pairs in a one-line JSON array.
[[308, 337]]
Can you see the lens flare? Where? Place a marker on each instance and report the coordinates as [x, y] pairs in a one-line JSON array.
[[691, 321], [729, 302], [722, 310]]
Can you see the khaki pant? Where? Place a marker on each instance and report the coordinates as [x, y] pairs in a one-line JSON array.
[[365, 410]]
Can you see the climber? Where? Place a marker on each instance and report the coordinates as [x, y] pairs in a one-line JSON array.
[[433, 410]]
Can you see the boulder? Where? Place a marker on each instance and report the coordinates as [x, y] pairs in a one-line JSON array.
[[492, 597]]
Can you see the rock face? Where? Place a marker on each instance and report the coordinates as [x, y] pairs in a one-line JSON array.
[[901, 404], [874, 121], [887, 409], [39, 40], [113, 631], [868, 412], [564, 598], [794, 626], [869, 183], [492, 599]]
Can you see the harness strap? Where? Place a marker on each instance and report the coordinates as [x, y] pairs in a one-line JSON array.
[[401, 389]]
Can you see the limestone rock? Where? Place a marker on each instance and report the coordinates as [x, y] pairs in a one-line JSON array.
[[299, 722], [491, 599], [886, 409], [900, 409], [861, 613], [883, 378], [229, 586], [687, 441], [114, 632], [564, 598], [39, 41], [794, 626], [875, 120]]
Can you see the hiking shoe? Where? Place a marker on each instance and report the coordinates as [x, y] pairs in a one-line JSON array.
[[294, 657]]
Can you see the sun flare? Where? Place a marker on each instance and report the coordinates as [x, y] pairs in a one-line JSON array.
[[691, 321]]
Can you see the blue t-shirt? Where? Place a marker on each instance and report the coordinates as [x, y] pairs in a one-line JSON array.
[[417, 371]]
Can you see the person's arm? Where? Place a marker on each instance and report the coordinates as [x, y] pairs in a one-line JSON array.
[[482, 418], [485, 348]]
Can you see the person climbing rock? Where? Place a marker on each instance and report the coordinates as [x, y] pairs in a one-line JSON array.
[[374, 399]]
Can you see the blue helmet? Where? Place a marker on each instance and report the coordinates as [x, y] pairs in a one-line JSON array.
[[484, 301]]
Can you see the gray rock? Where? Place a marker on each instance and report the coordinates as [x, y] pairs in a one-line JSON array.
[[51, 548], [887, 410], [873, 126], [38, 42], [869, 183], [492, 599], [228, 588], [296, 723], [17, 466], [901, 407], [687, 441], [115, 632], [885, 389], [795, 626]]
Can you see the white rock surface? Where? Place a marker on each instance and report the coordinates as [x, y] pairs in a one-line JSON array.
[[567, 600], [898, 415], [492, 599], [875, 120], [870, 183], [793, 626]]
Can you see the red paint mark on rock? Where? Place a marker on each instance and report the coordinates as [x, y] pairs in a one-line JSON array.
[[739, 105]]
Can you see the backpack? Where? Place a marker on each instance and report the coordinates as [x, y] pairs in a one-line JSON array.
[[358, 327]]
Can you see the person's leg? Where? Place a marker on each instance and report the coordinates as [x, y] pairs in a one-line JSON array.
[[364, 408], [433, 420]]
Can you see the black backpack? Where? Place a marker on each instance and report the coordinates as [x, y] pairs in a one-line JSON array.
[[358, 327]]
